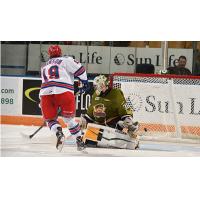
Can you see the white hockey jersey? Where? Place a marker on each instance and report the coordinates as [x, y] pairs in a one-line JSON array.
[[58, 75]]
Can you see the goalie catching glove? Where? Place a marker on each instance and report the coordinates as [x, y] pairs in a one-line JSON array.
[[128, 126]]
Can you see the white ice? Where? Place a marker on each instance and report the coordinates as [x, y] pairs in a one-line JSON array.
[[13, 144]]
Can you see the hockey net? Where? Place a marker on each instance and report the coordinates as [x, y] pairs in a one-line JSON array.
[[166, 106]]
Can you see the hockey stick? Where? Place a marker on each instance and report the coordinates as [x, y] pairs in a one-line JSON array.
[[35, 132], [30, 136]]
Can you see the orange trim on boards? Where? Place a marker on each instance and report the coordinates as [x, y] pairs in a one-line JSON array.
[[38, 121], [26, 120]]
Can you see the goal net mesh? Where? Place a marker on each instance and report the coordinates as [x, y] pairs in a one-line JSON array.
[[165, 106]]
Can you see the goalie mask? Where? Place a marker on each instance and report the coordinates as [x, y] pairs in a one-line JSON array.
[[100, 84]]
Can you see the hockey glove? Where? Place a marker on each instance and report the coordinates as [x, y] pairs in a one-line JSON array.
[[85, 86], [128, 126]]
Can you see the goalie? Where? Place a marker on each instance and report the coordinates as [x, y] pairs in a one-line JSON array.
[[108, 109]]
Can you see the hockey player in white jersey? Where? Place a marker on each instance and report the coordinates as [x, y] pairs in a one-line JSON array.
[[57, 92]]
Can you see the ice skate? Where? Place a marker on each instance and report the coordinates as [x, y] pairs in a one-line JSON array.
[[80, 144], [60, 139]]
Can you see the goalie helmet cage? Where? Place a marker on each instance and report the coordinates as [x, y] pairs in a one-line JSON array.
[[166, 106]]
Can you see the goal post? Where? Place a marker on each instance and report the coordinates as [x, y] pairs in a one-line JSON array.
[[166, 106]]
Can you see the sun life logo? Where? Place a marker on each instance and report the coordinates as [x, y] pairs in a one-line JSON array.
[[119, 59], [134, 101]]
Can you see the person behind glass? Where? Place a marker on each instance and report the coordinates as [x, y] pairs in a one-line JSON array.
[[180, 69], [57, 92]]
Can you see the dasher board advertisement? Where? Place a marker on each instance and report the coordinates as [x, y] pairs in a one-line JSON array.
[[107, 60], [31, 99], [11, 96]]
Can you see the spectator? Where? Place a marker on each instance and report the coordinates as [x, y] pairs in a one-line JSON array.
[[182, 61], [180, 69]]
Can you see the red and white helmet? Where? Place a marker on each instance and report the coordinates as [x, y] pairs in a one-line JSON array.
[[54, 51]]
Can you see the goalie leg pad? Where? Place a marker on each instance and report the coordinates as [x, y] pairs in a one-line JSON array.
[[108, 137]]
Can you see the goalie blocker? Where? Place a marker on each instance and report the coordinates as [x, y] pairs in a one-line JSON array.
[[102, 136]]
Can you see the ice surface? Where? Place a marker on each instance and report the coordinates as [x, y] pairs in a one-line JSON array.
[[14, 144]]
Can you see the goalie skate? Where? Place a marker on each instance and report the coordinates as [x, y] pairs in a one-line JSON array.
[[137, 144], [134, 137]]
